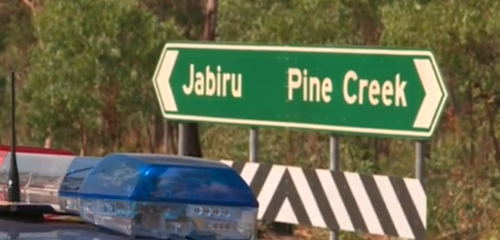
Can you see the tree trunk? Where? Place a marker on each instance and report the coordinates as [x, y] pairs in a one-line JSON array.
[[171, 134], [193, 140], [192, 134], [158, 135], [83, 138], [48, 141]]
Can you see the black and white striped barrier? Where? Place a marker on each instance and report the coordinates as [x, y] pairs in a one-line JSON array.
[[374, 204]]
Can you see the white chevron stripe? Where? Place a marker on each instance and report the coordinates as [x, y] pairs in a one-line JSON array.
[[227, 162], [267, 192], [249, 171], [334, 199], [306, 196], [364, 204], [419, 198], [286, 213], [393, 205]]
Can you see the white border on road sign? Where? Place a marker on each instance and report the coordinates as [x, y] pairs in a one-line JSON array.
[[423, 118]]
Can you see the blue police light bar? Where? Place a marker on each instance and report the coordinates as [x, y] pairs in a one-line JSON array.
[[143, 195], [162, 196]]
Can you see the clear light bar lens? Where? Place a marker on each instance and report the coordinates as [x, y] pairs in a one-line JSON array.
[[69, 205], [158, 220]]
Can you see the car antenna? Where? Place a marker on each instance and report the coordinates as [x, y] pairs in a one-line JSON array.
[[14, 191]]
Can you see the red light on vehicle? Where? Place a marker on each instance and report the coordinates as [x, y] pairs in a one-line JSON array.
[[25, 149], [5, 150], [3, 154]]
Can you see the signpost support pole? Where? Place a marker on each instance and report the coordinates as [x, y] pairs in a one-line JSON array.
[[182, 140], [334, 166], [254, 145], [420, 162], [253, 156]]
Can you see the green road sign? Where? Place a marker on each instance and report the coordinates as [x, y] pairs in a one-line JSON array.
[[385, 92]]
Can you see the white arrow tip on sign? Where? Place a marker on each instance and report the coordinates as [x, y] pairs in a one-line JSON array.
[[432, 91], [163, 81]]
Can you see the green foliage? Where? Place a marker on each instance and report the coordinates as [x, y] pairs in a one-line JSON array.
[[92, 66]]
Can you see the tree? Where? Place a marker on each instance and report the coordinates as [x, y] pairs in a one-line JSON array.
[[209, 34], [91, 72], [189, 16], [16, 36]]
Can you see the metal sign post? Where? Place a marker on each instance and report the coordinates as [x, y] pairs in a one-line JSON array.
[[334, 166]]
